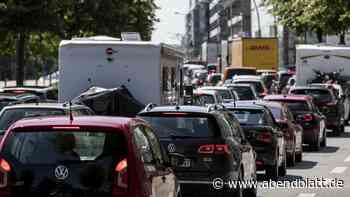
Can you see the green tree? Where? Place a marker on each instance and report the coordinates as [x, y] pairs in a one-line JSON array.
[[33, 28], [320, 16]]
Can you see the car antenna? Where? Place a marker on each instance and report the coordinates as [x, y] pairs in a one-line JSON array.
[[70, 112]]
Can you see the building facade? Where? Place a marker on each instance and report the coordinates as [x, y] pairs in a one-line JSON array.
[[197, 24]]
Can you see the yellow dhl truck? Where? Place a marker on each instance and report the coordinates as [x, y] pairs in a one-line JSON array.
[[260, 53]]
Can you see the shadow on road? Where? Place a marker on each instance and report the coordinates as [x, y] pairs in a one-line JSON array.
[[328, 149], [343, 135], [304, 165]]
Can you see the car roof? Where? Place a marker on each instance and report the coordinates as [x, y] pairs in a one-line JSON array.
[[240, 68], [88, 121], [238, 85], [43, 106], [288, 97], [308, 88], [244, 105], [214, 88], [246, 78], [28, 88], [180, 108], [210, 92]]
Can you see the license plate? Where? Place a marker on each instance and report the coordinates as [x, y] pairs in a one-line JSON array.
[[186, 163]]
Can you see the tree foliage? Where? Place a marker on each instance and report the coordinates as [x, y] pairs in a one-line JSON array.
[[328, 16], [46, 22]]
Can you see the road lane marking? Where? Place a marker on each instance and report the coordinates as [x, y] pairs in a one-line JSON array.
[[347, 159], [338, 170], [307, 195]]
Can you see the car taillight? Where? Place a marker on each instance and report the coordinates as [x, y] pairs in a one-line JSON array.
[[265, 137], [308, 117], [5, 168], [214, 149], [122, 180]]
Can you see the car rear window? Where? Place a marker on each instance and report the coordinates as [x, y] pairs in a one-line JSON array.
[[225, 94], [249, 116], [296, 106], [203, 99], [244, 93], [318, 95], [50, 147], [193, 127], [258, 86], [10, 116]]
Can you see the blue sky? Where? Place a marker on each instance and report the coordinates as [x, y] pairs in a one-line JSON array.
[[170, 23]]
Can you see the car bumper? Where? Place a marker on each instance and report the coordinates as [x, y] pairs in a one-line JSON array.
[[265, 159], [205, 186]]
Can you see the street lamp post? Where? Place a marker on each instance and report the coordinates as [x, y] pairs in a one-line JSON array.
[[258, 17]]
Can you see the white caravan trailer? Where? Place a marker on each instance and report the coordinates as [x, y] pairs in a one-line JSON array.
[[147, 69]]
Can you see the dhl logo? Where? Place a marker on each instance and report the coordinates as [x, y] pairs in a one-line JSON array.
[[260, 47]]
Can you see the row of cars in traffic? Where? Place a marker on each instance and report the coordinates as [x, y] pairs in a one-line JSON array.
[[230, 132]]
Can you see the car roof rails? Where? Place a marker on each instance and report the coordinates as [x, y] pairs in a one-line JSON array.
[[213, 107], [150, 106]]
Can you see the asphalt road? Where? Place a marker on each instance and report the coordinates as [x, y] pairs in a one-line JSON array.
[[330, 163]]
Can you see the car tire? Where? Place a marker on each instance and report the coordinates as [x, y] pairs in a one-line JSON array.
[[283, 168], [291, 160], [299, 156], [271, 171], [237, 192], [324, 140], [337, 131]]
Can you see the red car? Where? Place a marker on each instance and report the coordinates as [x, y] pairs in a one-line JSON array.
[[308, 116], [88, 156], [293, 132]]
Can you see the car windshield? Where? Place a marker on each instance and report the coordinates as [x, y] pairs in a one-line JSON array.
[[194, 127], [257, 85], [51, 147], [249, 116], [318, 95], [244, 93], [12, 115], [203, 99]]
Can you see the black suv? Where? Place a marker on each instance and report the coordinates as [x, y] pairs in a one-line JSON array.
[[212, 143], [328, 104], [264, 134]]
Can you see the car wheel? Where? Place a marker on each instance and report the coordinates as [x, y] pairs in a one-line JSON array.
[[283, 168], [271, 171], [337, 131], [299, 156], [239, 191], [291, 159], [324, 141]]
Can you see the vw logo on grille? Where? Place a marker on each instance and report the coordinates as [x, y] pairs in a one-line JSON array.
[[171, 148], [61, 172]]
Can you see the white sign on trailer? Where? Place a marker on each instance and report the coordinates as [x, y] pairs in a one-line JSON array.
[[320, 58]]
